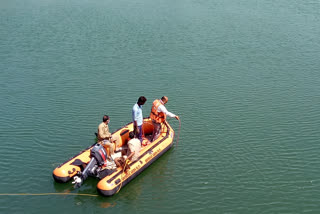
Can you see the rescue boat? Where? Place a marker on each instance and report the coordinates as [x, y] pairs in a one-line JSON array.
[[94, 161]]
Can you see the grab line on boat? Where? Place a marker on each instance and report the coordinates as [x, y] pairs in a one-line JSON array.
[[124, 168]]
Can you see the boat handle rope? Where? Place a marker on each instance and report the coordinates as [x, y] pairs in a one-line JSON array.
[[124, 168]]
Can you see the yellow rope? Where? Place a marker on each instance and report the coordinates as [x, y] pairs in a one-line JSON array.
[[127, 161], [41, 194]]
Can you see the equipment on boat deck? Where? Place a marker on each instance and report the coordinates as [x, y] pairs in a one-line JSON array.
[[98, 157]]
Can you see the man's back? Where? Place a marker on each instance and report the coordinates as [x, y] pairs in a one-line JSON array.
[[134, 145]]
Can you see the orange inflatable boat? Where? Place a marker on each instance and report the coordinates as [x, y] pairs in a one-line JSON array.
[[94, 161]]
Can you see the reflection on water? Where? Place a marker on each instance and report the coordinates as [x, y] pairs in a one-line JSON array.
[[108, 205]]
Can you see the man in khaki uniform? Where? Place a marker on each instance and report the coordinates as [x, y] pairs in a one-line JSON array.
[[105, 137]]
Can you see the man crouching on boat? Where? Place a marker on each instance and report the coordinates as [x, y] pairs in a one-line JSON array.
[[132, 154], [105, 137], [134, 147]]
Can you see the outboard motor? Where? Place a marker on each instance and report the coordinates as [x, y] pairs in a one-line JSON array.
[[98, 157]]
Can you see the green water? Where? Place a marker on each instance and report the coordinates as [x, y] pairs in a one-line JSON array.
[[243, 75]]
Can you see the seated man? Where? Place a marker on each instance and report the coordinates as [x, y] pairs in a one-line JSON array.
[[105, 137]]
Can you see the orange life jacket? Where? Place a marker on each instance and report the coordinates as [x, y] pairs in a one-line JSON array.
[[159, 117]]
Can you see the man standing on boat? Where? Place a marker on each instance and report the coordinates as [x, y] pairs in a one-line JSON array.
[[158, 115], [137, 117], [105, 136]]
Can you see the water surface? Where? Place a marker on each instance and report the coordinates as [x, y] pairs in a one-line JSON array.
[[242, 75]]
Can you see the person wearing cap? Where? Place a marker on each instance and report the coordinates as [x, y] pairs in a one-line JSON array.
[[158, 115], [105, 137], [137, 117]]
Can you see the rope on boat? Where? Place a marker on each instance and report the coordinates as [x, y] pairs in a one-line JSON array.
[[124, 168], [45, 194], [178, 132]]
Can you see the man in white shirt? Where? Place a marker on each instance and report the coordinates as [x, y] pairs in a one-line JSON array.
[[158, 115]]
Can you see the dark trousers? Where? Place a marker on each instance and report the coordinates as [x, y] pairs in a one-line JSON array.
[[138, 133], [156, 130]]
